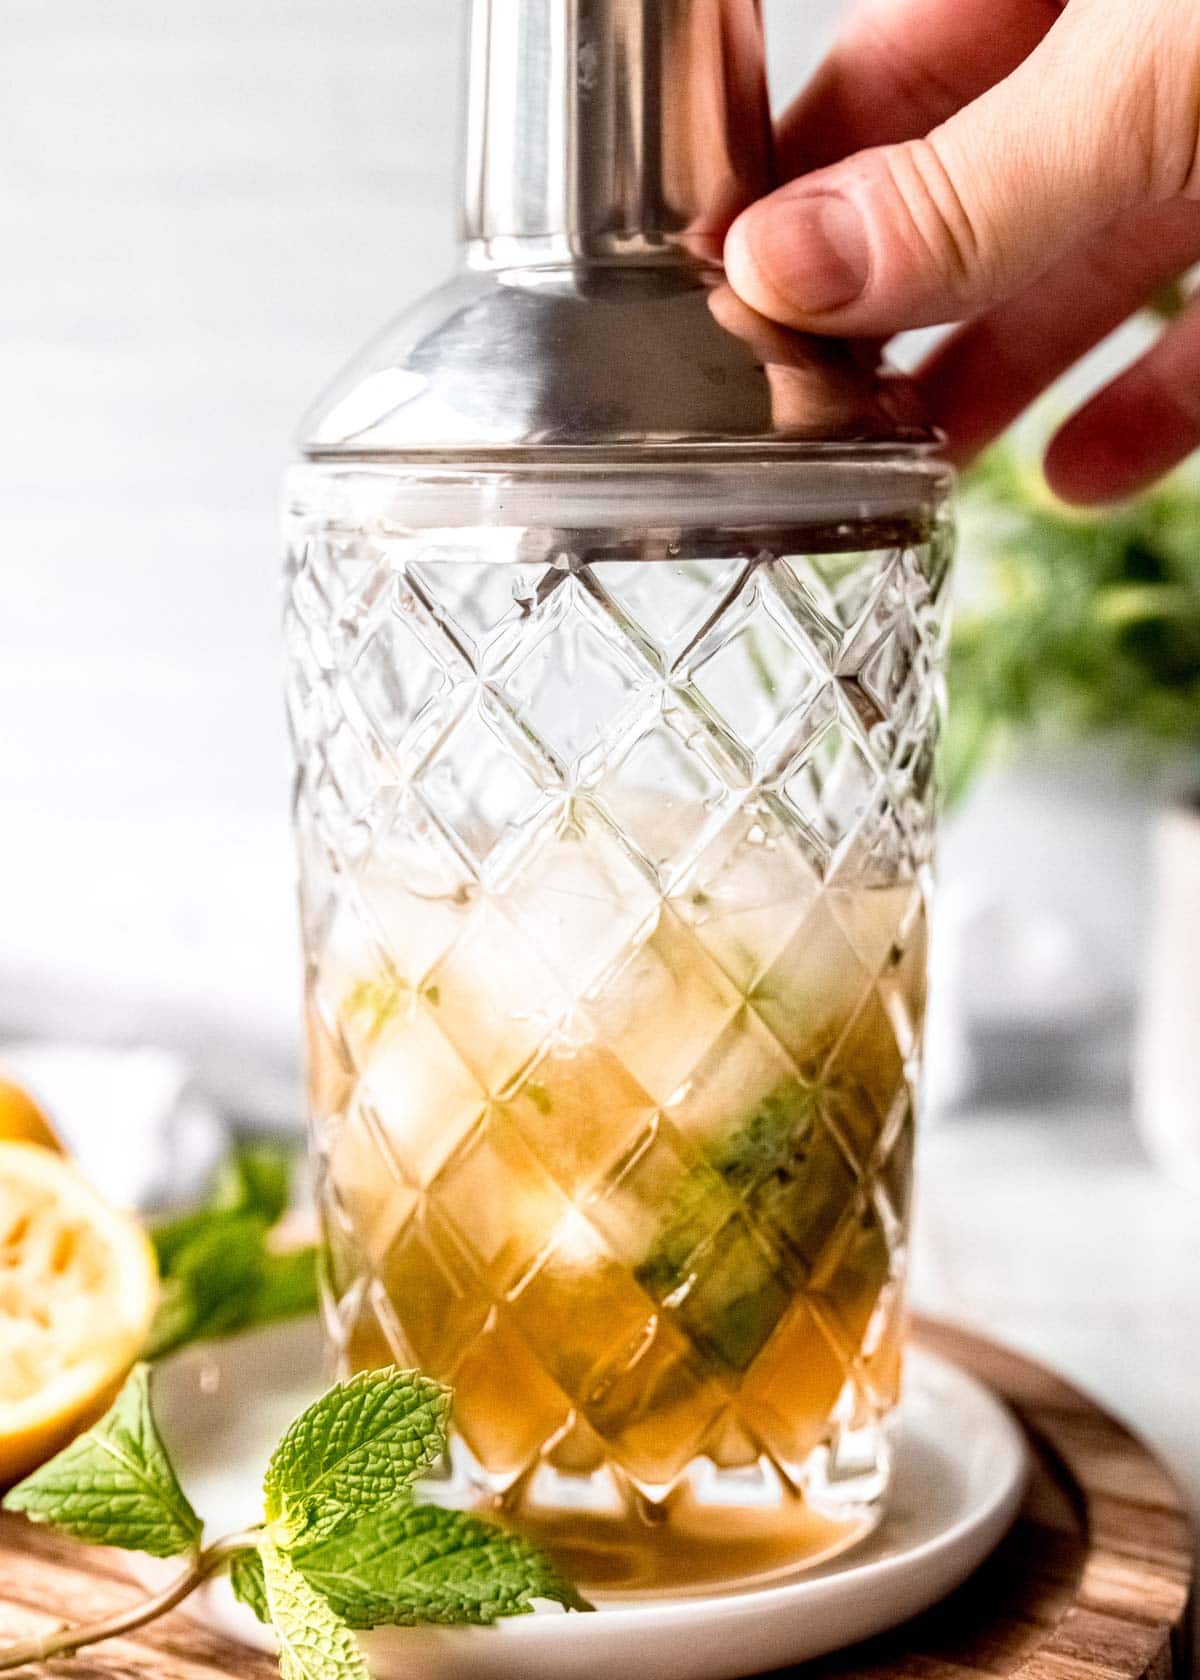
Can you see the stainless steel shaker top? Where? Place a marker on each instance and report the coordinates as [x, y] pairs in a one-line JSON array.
[[609, 144]]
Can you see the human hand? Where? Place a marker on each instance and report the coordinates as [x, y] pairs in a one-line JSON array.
[[1029, 168]]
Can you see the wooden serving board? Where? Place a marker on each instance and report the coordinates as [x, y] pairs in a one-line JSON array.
[[1093, 1583]]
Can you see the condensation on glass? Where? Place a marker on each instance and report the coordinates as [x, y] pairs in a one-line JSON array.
[[615, 729]]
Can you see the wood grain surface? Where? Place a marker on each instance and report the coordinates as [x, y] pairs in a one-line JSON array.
[[1093, 1583]]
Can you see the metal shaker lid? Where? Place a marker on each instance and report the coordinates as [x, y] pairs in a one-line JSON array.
[[609, 143]]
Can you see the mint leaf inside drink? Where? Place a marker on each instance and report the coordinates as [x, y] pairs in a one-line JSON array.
[[115, 1485], [748, 1220]]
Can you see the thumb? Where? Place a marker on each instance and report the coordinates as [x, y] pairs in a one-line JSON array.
[[933, 230]]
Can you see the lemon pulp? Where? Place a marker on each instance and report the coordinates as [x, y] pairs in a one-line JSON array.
[[78, 1287]]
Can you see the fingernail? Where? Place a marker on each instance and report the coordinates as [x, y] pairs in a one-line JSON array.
[[810, 250]]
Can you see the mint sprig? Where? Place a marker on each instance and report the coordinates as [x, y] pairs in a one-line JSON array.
[[1071, 624], [219, 1272], [414, 1565], [343, 1543]]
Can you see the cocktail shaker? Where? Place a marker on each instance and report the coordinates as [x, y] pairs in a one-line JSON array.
[[614, 625]]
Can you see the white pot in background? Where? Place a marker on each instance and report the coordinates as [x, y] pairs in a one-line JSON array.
[[1039, 927], [1065, 832], [1167, 1049]]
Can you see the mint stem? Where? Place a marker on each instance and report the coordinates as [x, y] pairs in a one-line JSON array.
[[65, 1641]]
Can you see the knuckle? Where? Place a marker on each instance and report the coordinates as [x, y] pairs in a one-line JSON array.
[[940, 224]]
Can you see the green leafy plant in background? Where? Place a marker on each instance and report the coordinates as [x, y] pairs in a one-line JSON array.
[[220, 1268], [343, 1543], [1071, 623]]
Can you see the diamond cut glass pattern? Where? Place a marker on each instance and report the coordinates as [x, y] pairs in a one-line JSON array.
[[665, 605], [481, 776], [752, 672], [571, 683], [614, 876]]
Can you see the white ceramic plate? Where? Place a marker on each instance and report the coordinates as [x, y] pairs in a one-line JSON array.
[[961, 1466]]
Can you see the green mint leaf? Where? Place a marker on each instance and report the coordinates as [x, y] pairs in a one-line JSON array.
[[287, 1287], [229, 1281], [171, 1327], [362, 1444], [219, 1273], [254, 1180], [776, 1161], [314, 1643], [175, 1239], [405, 1564], [115, 1485], [211, 1276], [248, 1582], [257, 1178], [1071, 624]]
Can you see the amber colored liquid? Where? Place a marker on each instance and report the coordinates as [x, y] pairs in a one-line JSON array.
[[666, 1249], [692, 1548]]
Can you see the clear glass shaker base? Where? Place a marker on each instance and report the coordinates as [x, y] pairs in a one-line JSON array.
[[615, 874]]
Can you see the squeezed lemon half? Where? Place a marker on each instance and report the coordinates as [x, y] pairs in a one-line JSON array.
[[78, 1288], [21, 1120]]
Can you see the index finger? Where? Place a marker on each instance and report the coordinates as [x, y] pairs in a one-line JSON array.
[[899, 68]]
